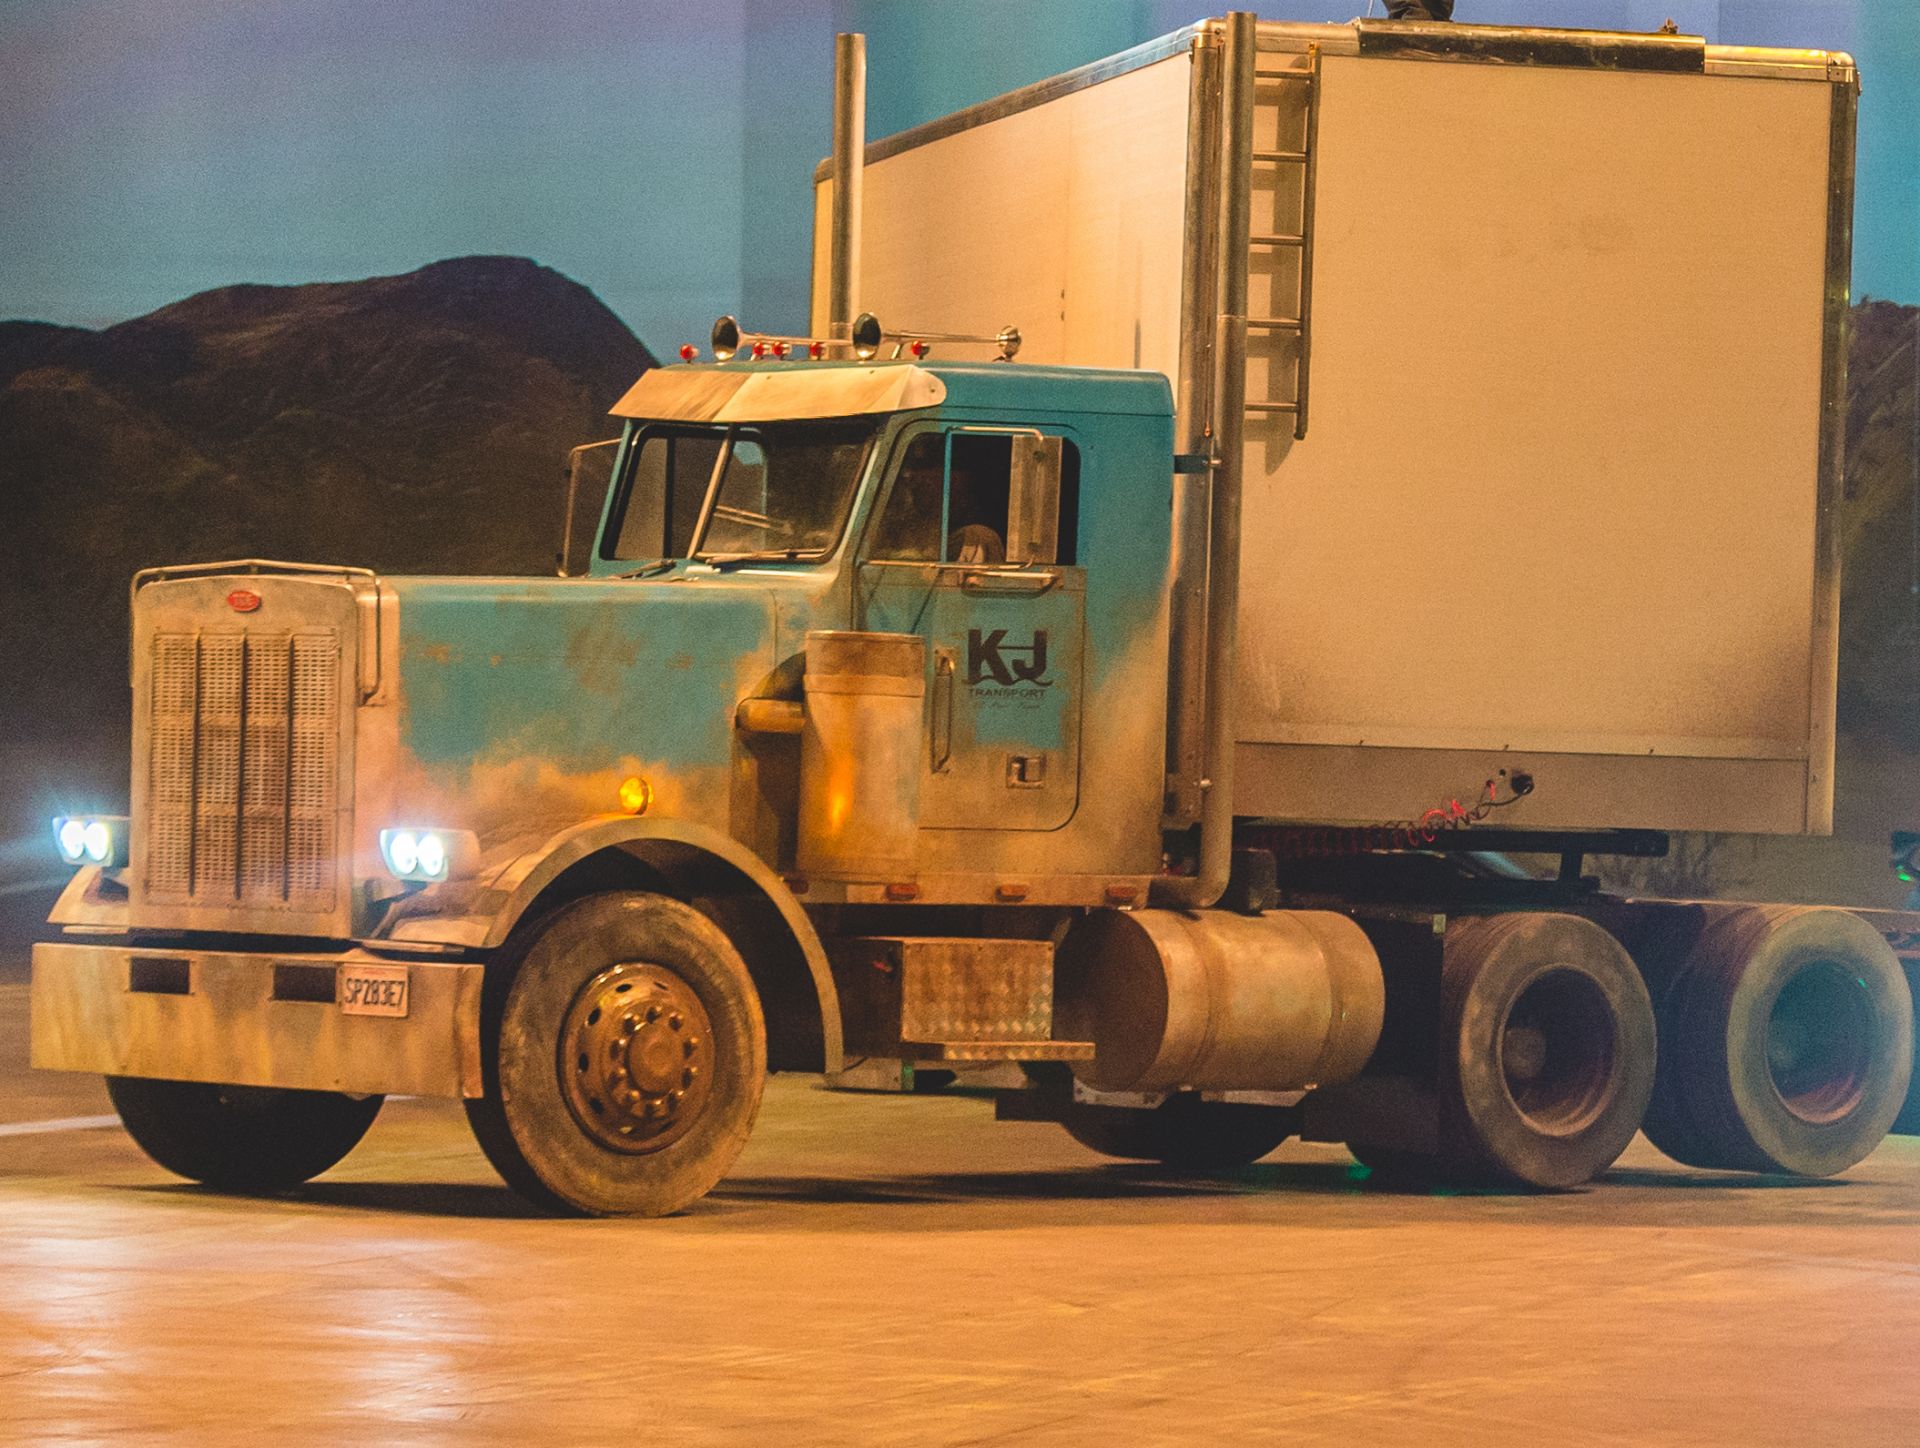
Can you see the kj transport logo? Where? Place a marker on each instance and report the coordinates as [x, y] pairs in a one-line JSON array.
[[996, 666]]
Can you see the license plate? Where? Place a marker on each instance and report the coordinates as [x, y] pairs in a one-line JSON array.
[[373, 990]]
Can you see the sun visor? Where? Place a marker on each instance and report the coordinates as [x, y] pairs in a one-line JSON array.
[[703, 394]]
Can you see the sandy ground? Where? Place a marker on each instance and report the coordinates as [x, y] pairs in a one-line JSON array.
[[888, 1269]]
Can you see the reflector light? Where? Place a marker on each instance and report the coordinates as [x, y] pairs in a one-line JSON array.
[[688, 351], [243, 600]]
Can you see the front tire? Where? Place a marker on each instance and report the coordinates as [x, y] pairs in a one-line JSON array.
[[623, 1056], [241, 1138]]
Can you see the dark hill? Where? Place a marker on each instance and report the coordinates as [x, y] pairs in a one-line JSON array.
[[413, 423]]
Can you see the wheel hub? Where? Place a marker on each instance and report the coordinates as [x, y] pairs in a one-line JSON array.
[[1820, 1043], [636, 1057], [1556, 1053]]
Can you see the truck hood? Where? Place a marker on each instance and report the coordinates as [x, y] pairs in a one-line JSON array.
[[522, 700]]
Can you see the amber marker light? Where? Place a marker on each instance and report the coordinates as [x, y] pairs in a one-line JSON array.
[[635, 795]]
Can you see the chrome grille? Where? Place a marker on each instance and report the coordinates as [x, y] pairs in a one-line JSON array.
[[243, 786]]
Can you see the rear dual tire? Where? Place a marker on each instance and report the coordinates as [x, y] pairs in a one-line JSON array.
[[1786, 1043], [1546, 1057]]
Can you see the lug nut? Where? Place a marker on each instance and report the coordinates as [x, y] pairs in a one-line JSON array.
[[653, 1014], [686, 1076], [686, 1046], [674, 1020]]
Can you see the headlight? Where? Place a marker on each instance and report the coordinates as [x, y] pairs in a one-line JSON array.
[[428, 855], [92, 840]]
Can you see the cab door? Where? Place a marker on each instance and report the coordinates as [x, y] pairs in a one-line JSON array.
[[972, 549]]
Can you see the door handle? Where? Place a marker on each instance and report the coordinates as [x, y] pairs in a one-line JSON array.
[[942, 732], [1009, 580]]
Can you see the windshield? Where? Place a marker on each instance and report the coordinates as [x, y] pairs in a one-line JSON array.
[[771, 490], [782, 489], [667, 476]]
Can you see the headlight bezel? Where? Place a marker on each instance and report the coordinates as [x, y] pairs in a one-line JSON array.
[[407, 851], [98, 840]]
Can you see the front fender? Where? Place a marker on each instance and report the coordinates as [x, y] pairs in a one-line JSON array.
[[481, 913]]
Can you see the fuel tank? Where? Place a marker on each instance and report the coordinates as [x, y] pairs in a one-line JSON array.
[[1219, 1001]]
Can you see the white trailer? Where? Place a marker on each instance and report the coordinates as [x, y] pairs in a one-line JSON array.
[[1543, 390]]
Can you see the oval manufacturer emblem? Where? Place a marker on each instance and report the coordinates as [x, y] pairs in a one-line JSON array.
[[243, 600]]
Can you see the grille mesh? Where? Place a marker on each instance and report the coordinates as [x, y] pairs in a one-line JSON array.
[[243, 783]]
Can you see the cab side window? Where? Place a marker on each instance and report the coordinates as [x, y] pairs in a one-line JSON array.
[[979, 467], [950, 501], [909, 530]]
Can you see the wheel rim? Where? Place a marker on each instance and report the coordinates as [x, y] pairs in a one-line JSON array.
[[636, 1057], [1820, 1043], [1557, 1052]]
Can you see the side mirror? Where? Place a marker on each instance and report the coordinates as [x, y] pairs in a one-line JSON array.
[[1033, 500], [589, 467]]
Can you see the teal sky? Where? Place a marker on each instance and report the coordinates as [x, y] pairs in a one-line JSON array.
[[658, 152]]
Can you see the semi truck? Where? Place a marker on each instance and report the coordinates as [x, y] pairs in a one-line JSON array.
[[1303, 469]]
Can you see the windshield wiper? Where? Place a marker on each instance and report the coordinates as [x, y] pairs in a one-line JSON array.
[[767, 555], [647, 570]]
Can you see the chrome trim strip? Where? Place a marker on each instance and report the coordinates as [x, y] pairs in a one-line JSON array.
[[1765, 63], [1824, 654], [1027, 97], [1533, 45]]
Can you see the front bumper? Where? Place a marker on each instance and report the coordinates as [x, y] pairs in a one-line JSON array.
[[253, 1020]]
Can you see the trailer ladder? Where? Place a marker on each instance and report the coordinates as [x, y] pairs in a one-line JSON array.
[[1286, 109]]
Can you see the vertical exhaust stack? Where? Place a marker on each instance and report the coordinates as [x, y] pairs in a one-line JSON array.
[[849, 161], [1228, 404]]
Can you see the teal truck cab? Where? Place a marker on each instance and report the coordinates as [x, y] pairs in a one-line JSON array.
[[593, 852]]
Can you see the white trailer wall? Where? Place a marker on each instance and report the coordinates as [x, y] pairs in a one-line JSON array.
[[1559, 506]]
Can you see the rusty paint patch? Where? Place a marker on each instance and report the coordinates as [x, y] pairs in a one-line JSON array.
[[601, 655]]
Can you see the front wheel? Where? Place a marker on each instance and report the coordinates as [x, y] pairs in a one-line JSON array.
[[623, 1055], [240, 1138]]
